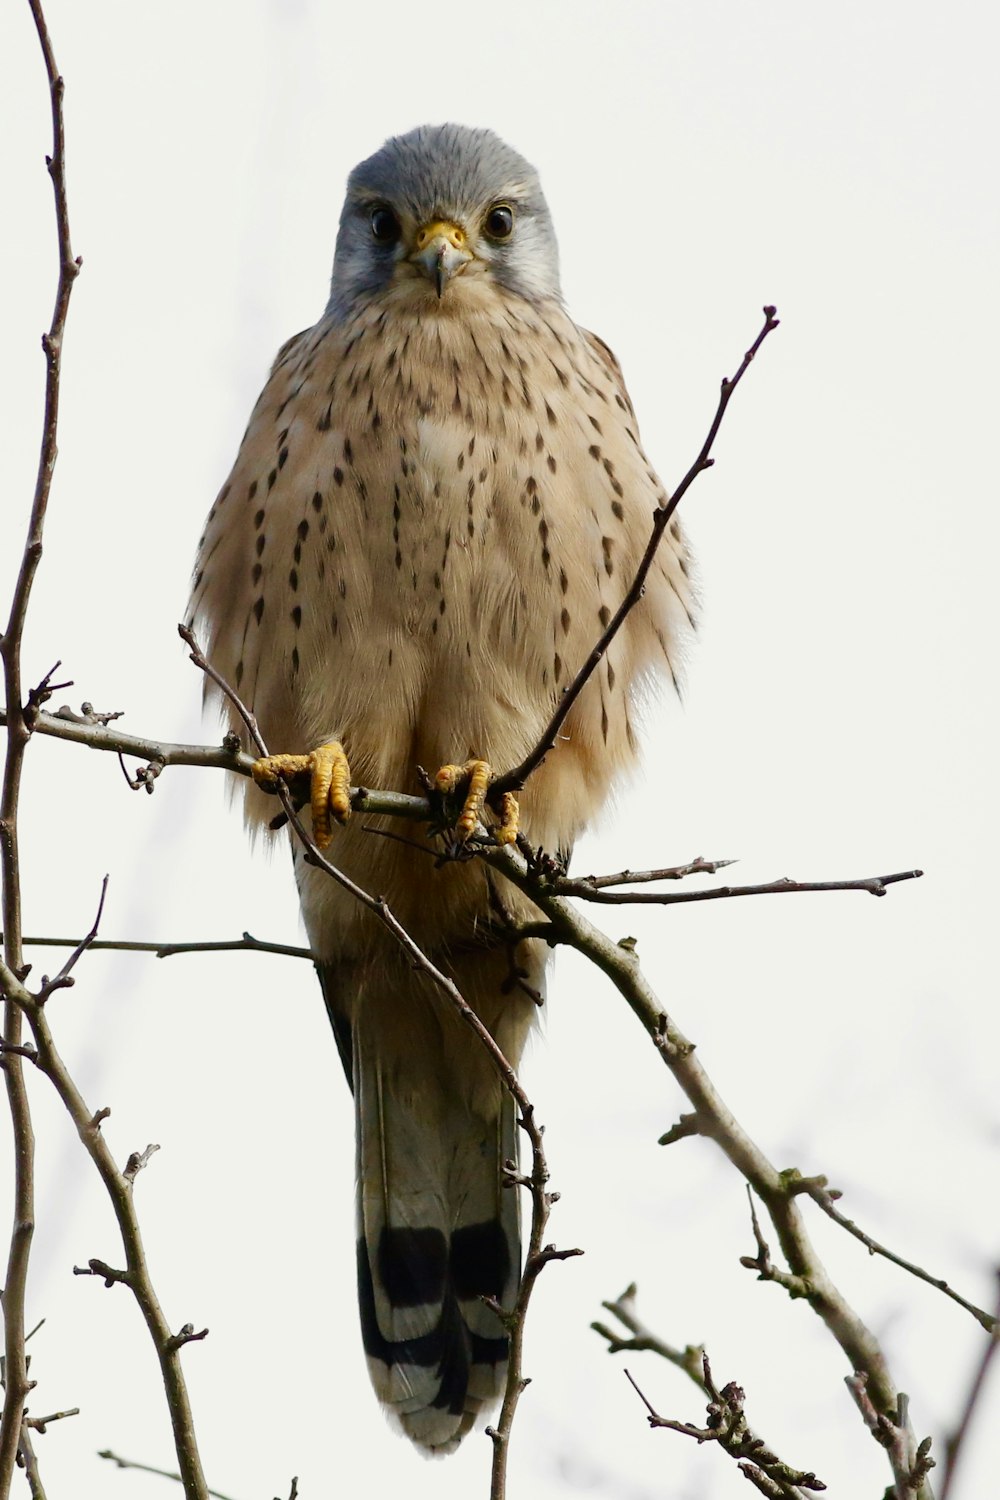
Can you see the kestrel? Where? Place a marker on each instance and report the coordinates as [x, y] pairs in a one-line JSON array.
[[440, 500]]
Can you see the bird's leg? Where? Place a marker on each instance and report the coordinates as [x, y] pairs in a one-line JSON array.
[[473, 780], [329, 783]]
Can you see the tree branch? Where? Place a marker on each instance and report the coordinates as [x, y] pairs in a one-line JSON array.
[[18, 733], [696, 866], [246, 944], [910, 1461], [131, 1463], [119, 1186], [816, 1188], [515, 778], [727, 1426], [875, 885], [956, 1442], [689, 1359], [715, 1120]]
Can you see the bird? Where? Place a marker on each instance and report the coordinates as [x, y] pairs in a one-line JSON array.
[[438, 504]]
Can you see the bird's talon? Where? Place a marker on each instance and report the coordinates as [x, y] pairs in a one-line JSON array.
[[473, 779], [329, 783], [510, 815], [271, 770]]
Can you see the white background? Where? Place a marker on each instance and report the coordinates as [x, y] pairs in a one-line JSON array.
[[700, 159]]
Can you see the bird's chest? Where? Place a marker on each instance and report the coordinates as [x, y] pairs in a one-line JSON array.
[[451, 456], [455, 518], [446, 521]]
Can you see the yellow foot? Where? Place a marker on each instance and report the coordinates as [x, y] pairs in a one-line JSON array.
[[474, 780], [329, 783]]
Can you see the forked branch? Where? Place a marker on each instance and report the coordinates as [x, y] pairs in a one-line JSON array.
[[727, 1426]]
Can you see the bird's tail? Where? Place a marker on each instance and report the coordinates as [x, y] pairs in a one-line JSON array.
[[438, 1228]]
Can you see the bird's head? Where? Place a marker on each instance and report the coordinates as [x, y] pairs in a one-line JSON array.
[[442, 206]]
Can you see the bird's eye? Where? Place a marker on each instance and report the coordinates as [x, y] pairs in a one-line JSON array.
[[385, 226], [499, 222]]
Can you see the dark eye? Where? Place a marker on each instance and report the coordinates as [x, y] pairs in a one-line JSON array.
[[385, 226], [499, 222]]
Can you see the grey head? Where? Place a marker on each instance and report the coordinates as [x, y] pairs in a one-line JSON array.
[[439, 206]]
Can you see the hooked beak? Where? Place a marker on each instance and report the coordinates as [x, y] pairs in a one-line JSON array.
[[441, 252]]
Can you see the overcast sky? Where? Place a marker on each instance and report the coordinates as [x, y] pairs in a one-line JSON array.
[[700, 160]]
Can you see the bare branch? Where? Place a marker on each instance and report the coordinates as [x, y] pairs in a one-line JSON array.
[[109, 1275], [515, 778], [119, 1188], [795, 1286], [686, 1126], [910, 1461], [159, 754], [956, 1442], [696, 866], [63, 979], [816, 1188], [806, 1274], [96, 735], [246, 944], [689, 1359], [137, 1161], [28, 1460], [186, 1335], [875, 885], [131, 1463], [727, 1426], [40, 1423], [18, 733]]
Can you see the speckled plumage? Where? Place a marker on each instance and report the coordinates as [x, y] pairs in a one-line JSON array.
[[437, 505]]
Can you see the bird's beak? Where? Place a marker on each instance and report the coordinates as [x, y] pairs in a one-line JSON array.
[[441, 251]]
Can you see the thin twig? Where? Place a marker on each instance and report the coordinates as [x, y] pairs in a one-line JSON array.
[[64, 978], [29, 1462], [817, 1189], [137, 1160], [956, 1442], [40, 1423], [697, 866], [689, 1359], [119, 1187], [131, 1463], [727, 1426], [794, 1285], [875, 885], [910, 1461], [18, 734], [515, 778], [96, 734], [246, 944]]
